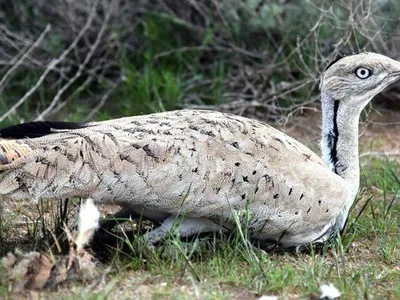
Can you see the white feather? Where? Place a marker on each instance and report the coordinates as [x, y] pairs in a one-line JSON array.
[[329, 292], [268, 298], [88, 222]]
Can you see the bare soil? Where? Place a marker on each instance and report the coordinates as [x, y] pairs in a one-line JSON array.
[[379, 132]]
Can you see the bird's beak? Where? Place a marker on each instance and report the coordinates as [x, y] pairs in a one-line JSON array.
[[394, 75], [396, 69]]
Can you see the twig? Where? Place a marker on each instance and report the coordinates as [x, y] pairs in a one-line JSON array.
[[52, 64], [233, 49], [380, 153], [88, 57], [104, 99], [21, 60]]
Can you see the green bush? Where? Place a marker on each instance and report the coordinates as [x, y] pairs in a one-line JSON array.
[[123, 58]]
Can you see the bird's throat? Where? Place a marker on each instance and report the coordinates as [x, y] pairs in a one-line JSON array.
[[339, 143], [332, 138], [330, 131]]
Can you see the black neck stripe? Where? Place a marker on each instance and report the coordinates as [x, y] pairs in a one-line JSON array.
[[335, 135]]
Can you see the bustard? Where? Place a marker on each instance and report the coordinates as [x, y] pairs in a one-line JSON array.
[[204, 165]]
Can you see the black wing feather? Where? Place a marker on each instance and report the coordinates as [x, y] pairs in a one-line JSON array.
[[36, 129]]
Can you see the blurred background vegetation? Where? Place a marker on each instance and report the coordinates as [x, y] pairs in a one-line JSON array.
[[98, 59]]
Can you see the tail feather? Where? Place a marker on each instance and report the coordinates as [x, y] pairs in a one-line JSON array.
[[11, 150], [14, 140], [58, 165]]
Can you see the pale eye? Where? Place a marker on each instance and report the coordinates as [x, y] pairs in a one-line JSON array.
[[363, 73]]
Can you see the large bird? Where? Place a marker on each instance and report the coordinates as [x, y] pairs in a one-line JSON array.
[[202, 167]]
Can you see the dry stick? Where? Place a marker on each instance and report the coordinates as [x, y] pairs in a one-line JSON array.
[[21, 60], [10, 44], [234, 49], [10, 60], [31, 91], [377, 36], [380, 153], [82, 66], [384, 123], [305, 69], [12, 39], [92, 76], [298, 85], [104, 99], [14, 35], [52, 64], [6, 55], [262, 102], [62, 104]]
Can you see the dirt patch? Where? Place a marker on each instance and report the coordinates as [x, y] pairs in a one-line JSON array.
[[379, 132]]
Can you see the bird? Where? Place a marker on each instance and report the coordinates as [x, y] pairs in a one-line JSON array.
[[203, 167]]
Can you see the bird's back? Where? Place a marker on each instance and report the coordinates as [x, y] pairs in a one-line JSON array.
[[200, 163]]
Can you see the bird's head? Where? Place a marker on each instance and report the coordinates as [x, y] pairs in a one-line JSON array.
[[358, 78]]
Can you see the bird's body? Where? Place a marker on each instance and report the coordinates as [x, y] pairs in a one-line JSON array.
[[201, 165]]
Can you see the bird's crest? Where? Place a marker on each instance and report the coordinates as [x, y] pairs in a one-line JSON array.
[[337, 58]]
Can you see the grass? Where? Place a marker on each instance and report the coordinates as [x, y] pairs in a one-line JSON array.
[[170, 69], [363, 264]]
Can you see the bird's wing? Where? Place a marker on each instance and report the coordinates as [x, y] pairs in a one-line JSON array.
[[205, 164]]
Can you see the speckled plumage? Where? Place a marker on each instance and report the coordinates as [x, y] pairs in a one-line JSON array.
[[204, 165], [198, 163]]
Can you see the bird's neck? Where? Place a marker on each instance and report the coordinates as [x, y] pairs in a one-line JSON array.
[[340, 145]]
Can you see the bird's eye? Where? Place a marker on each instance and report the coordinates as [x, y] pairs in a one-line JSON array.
[[363, 73]]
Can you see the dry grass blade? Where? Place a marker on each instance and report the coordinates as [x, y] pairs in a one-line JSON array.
[[390, 205]]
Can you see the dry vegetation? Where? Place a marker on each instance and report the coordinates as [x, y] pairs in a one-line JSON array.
[[98, 59]]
